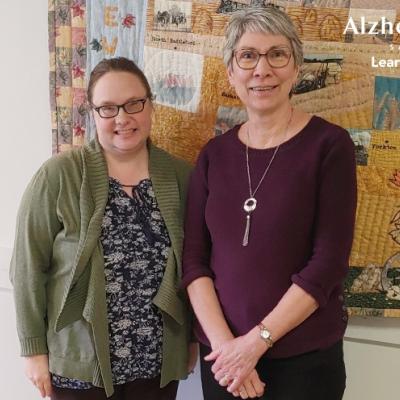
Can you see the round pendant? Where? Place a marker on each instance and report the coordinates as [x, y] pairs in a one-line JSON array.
[[250, 204]]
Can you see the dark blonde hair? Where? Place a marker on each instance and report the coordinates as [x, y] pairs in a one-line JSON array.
[[117, 64]]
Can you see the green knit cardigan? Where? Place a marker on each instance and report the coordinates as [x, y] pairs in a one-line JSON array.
[[57, 267]]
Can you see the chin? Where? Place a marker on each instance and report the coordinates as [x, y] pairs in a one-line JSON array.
[[131, 147]]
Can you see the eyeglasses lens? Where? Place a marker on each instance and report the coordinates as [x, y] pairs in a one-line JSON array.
[[134, 107], [108, 111], [277, 58]]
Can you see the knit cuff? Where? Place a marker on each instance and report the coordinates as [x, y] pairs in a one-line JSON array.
[[33, 346]]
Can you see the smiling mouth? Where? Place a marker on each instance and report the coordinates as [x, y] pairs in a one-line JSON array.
[[263, 88], [125, 132]]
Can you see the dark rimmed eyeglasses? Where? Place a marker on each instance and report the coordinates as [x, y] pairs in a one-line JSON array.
[[130, 107], [277, 57]]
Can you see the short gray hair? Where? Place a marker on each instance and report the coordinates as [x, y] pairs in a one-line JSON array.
[[265, 20]]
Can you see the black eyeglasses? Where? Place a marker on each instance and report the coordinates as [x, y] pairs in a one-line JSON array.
[[131, 107], [277, 57]]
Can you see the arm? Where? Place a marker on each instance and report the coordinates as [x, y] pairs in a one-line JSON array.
[[208, 311], [327, 267], [37, 225], [197, 275]]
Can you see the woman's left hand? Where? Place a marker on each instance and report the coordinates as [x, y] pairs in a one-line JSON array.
[[193, 355], [235, 359]]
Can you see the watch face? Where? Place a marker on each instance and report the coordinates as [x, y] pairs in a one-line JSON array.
[[265, 334]]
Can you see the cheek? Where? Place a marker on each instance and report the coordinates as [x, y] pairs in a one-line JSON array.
[[145, 119], [240, 82], [103, 125]]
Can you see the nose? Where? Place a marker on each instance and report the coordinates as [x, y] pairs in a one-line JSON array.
[[122, 117], [262, 68]]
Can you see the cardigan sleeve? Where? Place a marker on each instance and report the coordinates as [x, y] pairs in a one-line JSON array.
[[334, 223], [37, 226], [197, 242]]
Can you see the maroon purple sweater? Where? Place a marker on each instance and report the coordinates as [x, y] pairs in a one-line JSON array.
[[301, 231]]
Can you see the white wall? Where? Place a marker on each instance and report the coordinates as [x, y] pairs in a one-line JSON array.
[[25, 144], [373, 347]]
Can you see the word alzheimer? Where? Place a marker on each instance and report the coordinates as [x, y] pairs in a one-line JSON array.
[[364, 27]]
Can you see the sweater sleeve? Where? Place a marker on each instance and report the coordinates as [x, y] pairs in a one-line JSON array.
[[334, 223], [197, 243], [37, 226]]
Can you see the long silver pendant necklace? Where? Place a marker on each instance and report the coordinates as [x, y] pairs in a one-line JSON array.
[[250, 204]]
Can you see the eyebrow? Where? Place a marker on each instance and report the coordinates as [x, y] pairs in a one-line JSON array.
[[110, 103], [278, 46]]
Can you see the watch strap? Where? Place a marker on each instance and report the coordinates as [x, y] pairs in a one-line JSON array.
[[266, 339]]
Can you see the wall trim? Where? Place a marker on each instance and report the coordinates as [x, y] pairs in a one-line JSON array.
[[374, 330], [372, 342]]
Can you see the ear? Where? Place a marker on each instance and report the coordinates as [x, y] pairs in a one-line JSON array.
[[229, 73], [297, 71], [296, 75]]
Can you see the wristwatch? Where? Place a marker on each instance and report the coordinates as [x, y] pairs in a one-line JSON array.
[[265, 335]]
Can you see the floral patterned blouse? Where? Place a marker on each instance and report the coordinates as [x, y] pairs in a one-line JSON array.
[[135, 244]]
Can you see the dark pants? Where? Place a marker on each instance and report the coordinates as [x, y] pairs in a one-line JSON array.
[[318, 375], [140, 389]]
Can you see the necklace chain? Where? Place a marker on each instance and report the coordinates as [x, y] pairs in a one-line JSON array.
[[251, 193], [250, 204]]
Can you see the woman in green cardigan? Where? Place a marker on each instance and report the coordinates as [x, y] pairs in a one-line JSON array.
[[96, 266]]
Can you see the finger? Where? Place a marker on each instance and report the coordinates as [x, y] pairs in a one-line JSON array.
[[235, 384], [259, 386], [218, 363], [224, 381], [250, 389], [212, 356], [224, 363], [48, 387], [220, 374], [40, 387], [243, 393]]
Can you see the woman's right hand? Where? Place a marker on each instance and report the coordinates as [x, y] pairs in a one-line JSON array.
[[251, 388], [37, 371]]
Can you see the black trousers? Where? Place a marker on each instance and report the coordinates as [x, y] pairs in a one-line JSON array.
[[318, 375], [139, 389]]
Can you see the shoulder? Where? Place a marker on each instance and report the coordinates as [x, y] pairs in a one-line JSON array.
[[66, 159], [163, 159], [180, 164], [55, 174], [222, 141], [328, 131], [220, 146], [63, 164], [334, 146], [322, 137]]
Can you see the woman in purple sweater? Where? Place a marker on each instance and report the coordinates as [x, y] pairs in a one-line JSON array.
[[269, 230]]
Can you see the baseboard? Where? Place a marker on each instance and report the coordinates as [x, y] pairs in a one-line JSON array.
[[376, 330]]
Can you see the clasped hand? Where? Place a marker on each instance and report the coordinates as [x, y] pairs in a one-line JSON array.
[[234, 364]]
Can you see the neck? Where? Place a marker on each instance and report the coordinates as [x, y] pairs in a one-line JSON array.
[[268, 130], [129, 168]]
